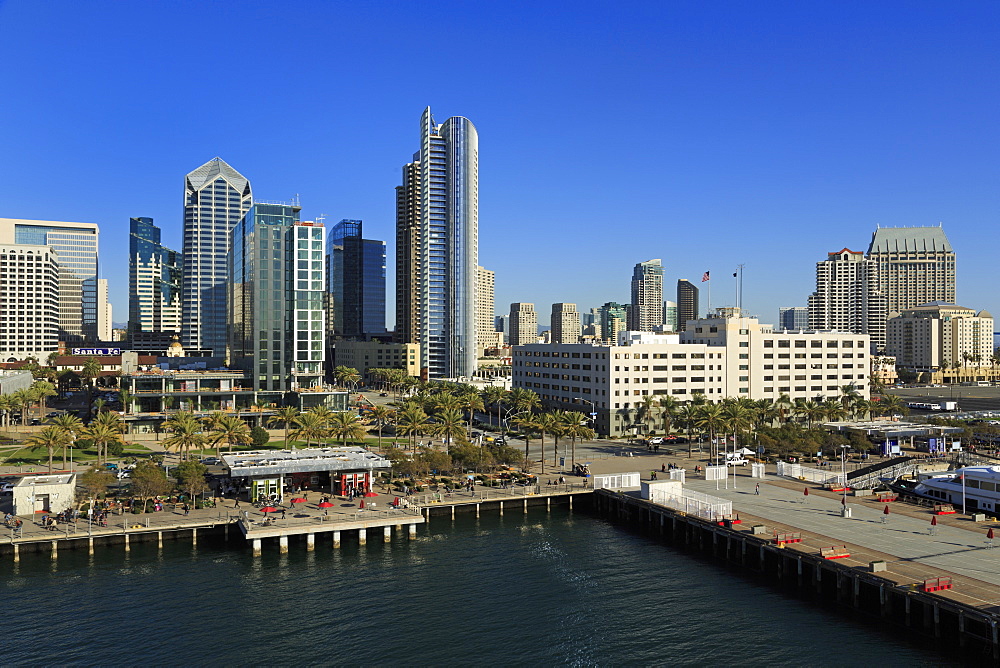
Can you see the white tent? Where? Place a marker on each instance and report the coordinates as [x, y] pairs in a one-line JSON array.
[[746, 451]]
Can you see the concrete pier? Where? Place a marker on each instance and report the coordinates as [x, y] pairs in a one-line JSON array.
[[362, 536], [310, 542], [387, 534], [283, 544], [336, 539]]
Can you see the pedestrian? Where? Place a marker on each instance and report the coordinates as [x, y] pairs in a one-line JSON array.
[[663, 468], [282, 513], [237, 504], [187, 509], [757, 489]]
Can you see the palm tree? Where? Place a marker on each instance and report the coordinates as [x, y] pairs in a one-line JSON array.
[[472, 402], [449, 423], [313, 425], [834, 410], [103, 432], [7, 405], [22, 399], [285, 416], [527, 422], [808, 409], [382, 415], [784, 405], [90, 371], [125, 397], [891, 404], [547, 423], [710, 417], [72, 425], [668, 408], [689, 415], [738, 418], [43, 390], [230, 429], [644, 409], [50, 438], [574, 426], [346, 425], [494, 395], [411, 420], [186, 432]]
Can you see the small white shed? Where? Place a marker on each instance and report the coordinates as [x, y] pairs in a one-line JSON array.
[[44, 493], [654, 488], [616, 480]]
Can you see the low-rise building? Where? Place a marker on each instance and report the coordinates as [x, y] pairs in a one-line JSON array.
[[367, 355], [727, 355], [44, 494]]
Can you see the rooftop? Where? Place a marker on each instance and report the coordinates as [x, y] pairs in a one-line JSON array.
[[275, 462], [909, 239]]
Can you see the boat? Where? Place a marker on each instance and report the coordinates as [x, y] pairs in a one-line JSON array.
[[978, 486]]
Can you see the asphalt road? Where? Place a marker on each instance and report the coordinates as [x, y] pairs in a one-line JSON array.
[[968, 398]]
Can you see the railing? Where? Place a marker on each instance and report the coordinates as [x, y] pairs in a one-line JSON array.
[[271, 522], [458, 496], [805, 473]]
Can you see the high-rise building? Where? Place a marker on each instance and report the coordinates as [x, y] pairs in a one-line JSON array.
[[276, 290], [565, 323], [485, 327], [437, 238], [29, 302], [76, 247], [670, 315], [523, 324], [847, 297], [936, 337], [612, 318], [356, 281], [154, 285], [646, 314], [216, 197], [687, 303], [104, 322], [915, 265], [793, 317]]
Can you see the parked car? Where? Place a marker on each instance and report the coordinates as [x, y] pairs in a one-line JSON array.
[[6, 488], [211, 461]]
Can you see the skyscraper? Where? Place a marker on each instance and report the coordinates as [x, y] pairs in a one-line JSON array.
[[154, 281], [847, 297], [915, 266], [565, 323], [646, 313], [29, 302], [687, 303], [356, 281], [276, 287], [612, 319], [486, 333], [216, 197], [76, 249], [437, 237], [523, 324], [670, 315]]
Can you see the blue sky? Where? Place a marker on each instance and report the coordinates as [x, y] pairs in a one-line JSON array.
[[704, 134]]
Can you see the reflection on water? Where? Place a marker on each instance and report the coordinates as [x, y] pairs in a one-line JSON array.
[[545, 588]]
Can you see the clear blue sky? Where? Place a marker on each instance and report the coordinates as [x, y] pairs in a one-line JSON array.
[[705, 134]]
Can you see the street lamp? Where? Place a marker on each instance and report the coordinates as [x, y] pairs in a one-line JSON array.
[[844, 510]]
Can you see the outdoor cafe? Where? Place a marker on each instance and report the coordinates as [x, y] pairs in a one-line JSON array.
[[338, 470]]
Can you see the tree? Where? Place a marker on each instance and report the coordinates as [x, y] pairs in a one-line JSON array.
[[688, 415], [259, 437], [49, 438], [125, 397], [710, 417], [231, 430], [644, 410], [96, 481], [472, 402], [190, 476], [528, 423], [668, 410], [494, 395], [313, 425], [285, 416], [90, 371], [103, 431], [185, 433], [344, 425], [71, 425], [148, 479], [574, 426], [43, 390], [411, 420], [382, 415], [449, 423]]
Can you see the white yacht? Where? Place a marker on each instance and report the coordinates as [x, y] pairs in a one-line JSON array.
[[981, 485]]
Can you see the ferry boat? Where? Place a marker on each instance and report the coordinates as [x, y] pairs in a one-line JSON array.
[[981, 484]]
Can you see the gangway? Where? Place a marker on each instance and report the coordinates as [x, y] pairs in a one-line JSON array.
[[873, 475]]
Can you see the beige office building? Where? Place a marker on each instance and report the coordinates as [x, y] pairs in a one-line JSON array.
[[523, 324], [727, 355], [915, 265], [485, 323], [565, 323], [29, 302], [366, 355]]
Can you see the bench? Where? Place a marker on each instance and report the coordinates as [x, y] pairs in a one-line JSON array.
[[834, 552], [937, 584], [839, 488], [944, 509], [781, 538], [729, 520], [886, 497]]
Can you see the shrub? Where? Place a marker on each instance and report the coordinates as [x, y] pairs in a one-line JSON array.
[[259, 437]]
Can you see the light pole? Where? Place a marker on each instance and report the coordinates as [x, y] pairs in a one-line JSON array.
[[844, 510], [593, 420]]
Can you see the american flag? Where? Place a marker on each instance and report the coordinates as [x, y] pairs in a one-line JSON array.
[[704, 277]]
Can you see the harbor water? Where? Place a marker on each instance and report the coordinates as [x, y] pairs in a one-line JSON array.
[[538, 589]]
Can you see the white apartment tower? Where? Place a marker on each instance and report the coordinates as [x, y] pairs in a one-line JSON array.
[[565, 323], [523, 324], [485, 325], [646, 309], [29, 302], [848, 298], [915, 265]]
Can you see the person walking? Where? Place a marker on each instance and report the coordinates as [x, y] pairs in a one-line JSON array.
[[756, 490]]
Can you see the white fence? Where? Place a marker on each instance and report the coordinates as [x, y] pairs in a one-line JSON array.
[[617, 480], [692, 503], [716, 472], [800, 472]]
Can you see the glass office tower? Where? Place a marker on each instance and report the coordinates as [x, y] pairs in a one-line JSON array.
[[154, 286], [216, 197], [356, 280], [76, 247], [437, 232], [276, 288]]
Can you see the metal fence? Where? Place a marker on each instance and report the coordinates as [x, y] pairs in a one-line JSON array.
[[693, 503], [800, 472]]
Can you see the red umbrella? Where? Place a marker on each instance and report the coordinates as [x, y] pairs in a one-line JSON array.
[[989, 534], [933, 520], [268, 509], [324, 504], [885, 511], [362, 504], [298, 500], [805, 491], [370, 493]]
